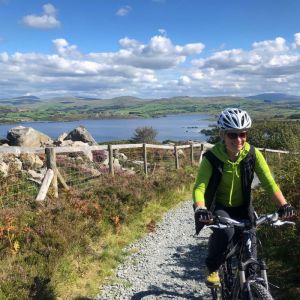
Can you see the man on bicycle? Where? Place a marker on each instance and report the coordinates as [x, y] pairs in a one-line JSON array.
[[223, 185]]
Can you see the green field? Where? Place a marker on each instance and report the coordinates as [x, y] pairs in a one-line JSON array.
[[65, 109]]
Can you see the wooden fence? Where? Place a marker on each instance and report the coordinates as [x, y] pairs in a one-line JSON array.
[[53, 175]]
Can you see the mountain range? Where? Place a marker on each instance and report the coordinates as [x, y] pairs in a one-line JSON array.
[[27, 100]]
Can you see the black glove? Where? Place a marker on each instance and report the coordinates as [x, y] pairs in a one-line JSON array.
[[286, 210], [202, 216]]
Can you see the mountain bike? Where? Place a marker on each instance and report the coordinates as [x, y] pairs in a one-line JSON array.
[[242, 276]]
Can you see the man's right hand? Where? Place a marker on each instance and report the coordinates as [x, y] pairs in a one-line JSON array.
[[203, 215]]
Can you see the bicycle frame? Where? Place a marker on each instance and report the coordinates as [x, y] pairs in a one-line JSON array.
[[239, 282], [236, 284]]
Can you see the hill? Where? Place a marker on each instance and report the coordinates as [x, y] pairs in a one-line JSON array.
[[23, 100], [31, 108], [275, 97]]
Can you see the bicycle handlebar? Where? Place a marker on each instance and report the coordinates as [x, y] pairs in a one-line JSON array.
[[226, 222]]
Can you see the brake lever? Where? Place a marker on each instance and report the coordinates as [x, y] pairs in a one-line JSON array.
[[280, 223]]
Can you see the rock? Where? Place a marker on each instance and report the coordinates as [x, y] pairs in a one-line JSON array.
[[27, 137], [116, 163], [31, 161], [81, 134], [61, 138], [3, 142], [3, 169], [79, 144], [15, 165], [181, 153], [37, 176], [65, 143], [121, 156]]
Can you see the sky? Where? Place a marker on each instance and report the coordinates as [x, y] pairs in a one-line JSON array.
[[149, 48]]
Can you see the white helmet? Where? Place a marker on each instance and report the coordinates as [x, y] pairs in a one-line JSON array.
[[234, 118]]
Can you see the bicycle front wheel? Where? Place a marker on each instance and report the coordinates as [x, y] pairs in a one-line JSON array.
[[259, 292]]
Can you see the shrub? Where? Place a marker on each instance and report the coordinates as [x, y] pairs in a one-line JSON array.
[[144, 135]]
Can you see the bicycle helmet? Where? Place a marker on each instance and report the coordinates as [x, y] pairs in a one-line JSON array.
[[234, 118]]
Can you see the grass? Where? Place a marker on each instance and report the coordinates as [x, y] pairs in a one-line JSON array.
[[66, 247], [281, 246], [97, 266], [76, 109]]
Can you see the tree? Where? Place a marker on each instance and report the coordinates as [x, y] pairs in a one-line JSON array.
[[144, 135]]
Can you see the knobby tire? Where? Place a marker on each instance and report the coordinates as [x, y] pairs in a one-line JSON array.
[[260, 292]]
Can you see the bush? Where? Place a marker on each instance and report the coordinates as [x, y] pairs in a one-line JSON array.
[[272, 135], [144, 135], [38, 242], [282, 246]]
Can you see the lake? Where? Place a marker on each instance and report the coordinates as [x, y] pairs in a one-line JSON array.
[[172, 127]]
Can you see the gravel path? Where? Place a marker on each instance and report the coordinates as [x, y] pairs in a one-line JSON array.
[[167, 264]]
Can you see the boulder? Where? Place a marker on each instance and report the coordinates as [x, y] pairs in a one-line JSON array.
[[181, 153], [3, 169], [15, 165], [61, 138], [81, 134], [121, 156], [3, 142], [37, 176], [27, 137], [31, 161]]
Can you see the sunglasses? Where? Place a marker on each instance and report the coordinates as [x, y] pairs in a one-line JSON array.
[[235, 135]]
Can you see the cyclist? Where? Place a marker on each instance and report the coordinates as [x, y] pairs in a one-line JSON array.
[[223, 186]]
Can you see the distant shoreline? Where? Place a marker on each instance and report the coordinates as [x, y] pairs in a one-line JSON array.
[[115, 117], [173, 127]]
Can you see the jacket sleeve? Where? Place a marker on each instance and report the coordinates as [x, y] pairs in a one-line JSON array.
[[204, 174], [264, 175]]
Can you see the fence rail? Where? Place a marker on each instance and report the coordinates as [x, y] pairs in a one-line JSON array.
[[68, 166]]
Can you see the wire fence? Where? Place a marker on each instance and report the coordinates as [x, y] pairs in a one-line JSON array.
[[25, 172]]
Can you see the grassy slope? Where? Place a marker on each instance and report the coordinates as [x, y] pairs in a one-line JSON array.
[[75, 108], [66, 247]]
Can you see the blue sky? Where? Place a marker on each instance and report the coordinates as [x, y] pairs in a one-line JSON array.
[[149, 48]]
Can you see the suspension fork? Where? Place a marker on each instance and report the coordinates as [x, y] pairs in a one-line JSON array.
[[263, 272], [242, 273]]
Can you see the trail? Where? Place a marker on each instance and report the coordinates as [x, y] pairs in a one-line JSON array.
[[167, 263]]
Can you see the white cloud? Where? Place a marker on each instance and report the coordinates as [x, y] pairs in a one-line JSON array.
[[123, 11], [159, 53], [64, 49], [296, 40], [49, 9], [277, 45], [157, 68], [162, 31], [46, 21], [184, 80]]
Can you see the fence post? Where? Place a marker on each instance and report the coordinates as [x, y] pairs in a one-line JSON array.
[[145, 159], [45, 185], [51, 164], [201, 153], [192, 154], [111, 160], [176, 157]]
